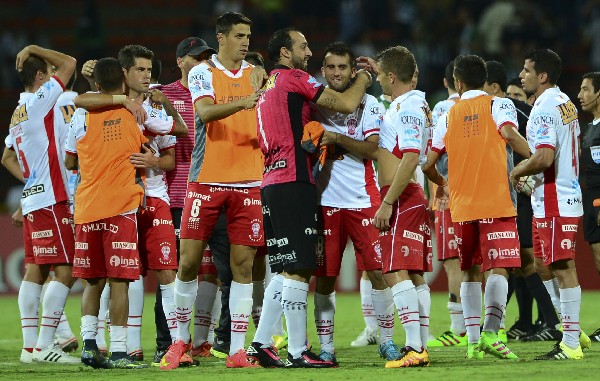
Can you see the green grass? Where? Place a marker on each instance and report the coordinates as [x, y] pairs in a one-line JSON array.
[[355, 363]]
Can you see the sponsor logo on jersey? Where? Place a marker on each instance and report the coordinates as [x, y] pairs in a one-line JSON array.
[[500, 235], [568, 112], [42, 234], [161, 221], [127, 263], [36, 189], [19, 116], [82, 262], [81, 245], [199, 196], [569, 228], [413, 236], [279, 164], [503, 253], [252, 201], [567, 244], [124, 245], [333, 211], [44, 251], [99, 226]]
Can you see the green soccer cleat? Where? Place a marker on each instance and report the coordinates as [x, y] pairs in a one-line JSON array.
[[502, 336], [473, 352], [448, 339], [126, 363], [490, 343], [561, 351]]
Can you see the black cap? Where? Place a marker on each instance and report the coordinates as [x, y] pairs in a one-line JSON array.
[[193, 46]]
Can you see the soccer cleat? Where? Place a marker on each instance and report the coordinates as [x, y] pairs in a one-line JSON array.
[[584, 340], [389, 351], [136, 356], [519, 330], [103, 350], [126, 363], [267, 357], [502, 335], [203, 350], [54, 354], [93, 358], [368, 336], [489, 343], [220, 348], [328, 356], [26, 356], [561, 351], [240, 360], [448, 339], [473, 352], [67, 344], [186, 361], [545, 333], [308, 359], [280, 342], [157, 356], [172, 358], [410, 358], [595, 336]]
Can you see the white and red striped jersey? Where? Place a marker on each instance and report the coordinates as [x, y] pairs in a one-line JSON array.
[[158, 122], [63, 112], [407, 126], [553, 124], [348, 180], [156, 186], [442, 107], [36, 138]]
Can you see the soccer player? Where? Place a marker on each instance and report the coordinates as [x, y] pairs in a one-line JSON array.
[[590, 153], [290, 226], [447, 247], [225, 139], [552, 134], [48, 234], [403, 217], [527, 279], [474, 133], [349, 197], [106, 201]]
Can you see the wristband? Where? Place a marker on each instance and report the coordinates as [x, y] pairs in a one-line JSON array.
[[387, 202], [118, 99]]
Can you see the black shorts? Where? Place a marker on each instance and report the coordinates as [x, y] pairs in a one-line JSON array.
[[524, 220], [591, 230], [290, 222]]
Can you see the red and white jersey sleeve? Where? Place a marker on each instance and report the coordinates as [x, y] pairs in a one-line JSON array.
[[348, 180], [36, 140], [156, 185], [63, 113], [504, 112], [438, 134], [442, 107], [158, 122], [407, 126], [77, 130], [553, 124], [200, 82]]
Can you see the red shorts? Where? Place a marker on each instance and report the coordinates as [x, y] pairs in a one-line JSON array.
[[447, 247], [339, 224], [107, 248], [407, 245], [491, 243], [554, 238], [204, 203], [208, 264], [48, 235], [156, 234]]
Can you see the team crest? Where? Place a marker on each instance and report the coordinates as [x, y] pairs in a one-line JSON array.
[[165, 251], [352, 124], [256, 233]]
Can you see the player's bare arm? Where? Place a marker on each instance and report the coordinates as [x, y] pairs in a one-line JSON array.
[[17, 217], [403, 176], [71, 162], [181, 129], [10, 162], [541, 160], [91, 101], [147, 159], [64, 64], [258, 77], [348, 101], [432, 158], [208, 111], [515, 140], [363, 148]]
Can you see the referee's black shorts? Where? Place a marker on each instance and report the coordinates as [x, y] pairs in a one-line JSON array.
[[289, 220], [591, 230], [524, 220]]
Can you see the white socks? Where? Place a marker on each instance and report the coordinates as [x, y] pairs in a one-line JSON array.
[[324, 320], [185, 295], [272, 311], [552, 287], [203, 305], [570, 305], [134, 320], [457, 319], [470, 295], [52, 310], [293, 300], [118, 339], [258, 293], [407, 303], [29, 305], [89, 327], [240, 307], [424, 296], [496, 290], [215, 316], [383, 304], [167, 294], [103, 317], [366, 302]]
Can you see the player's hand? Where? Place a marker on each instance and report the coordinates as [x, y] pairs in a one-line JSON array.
[[17, 217], [367, 74], [157, 96], [136, 109], [250, 102], [329, 138], [145, 159], [258, 77], [367, 63], [382, 217], [22, 56], [88, 70]]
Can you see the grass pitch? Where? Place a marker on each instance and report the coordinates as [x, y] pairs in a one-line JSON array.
[[355, 363]]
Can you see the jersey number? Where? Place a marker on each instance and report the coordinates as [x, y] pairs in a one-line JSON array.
[[195, 208]]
